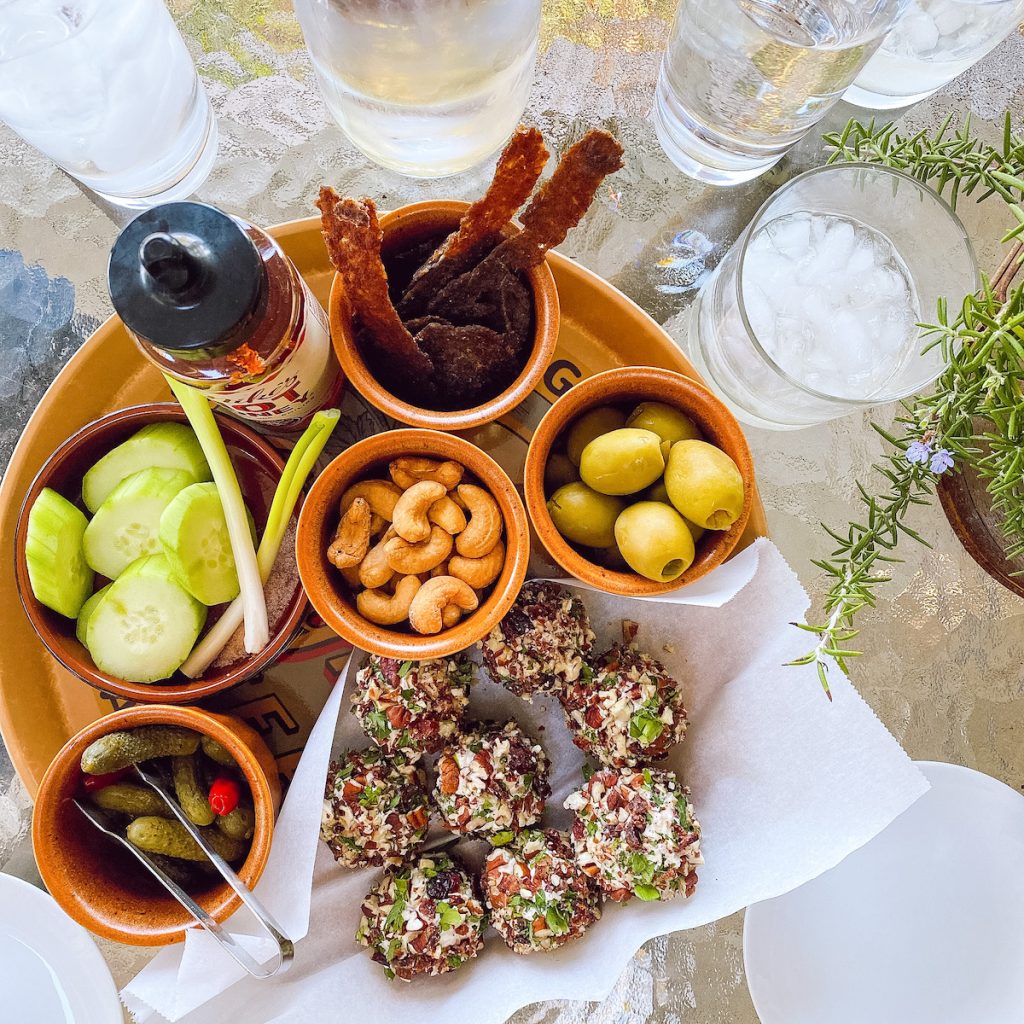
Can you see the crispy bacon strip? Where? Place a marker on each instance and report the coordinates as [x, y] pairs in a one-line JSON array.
[[353, 239], [518, 169], [562, 200]]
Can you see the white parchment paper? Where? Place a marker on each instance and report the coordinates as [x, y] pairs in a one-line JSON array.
[[784, 784]]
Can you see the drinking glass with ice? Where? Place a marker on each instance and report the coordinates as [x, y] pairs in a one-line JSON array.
[[107, 90], [815, 311]]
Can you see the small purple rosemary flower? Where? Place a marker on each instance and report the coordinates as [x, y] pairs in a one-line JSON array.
[[919, 452], [941, 461]]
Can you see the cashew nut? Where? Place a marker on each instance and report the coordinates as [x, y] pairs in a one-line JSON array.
[[450, 615], [350, 575], [405, 472], [479, 572], [388, 609], [374, 570], [446, 514], [410, 559], [441, 569], [410, 513], [380, 495], [427, 607], [352, 539], [483, 530]]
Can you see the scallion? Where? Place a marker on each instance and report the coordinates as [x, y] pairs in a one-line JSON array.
[[293, 478]]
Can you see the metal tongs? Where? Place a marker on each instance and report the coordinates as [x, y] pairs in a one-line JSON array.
[[286, 948]]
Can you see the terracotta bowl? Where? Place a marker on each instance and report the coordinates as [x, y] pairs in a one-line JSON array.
[[258, 467], [626, 387], [101, 885], [408, 225], [327, 590]]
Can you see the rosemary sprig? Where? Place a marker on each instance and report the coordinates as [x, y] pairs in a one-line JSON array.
[[975, 415]]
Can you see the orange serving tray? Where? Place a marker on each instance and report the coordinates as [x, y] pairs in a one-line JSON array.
[[42, 705]]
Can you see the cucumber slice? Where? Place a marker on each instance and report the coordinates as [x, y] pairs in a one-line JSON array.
[[161, 445], [57, 569], [145, 626], [87, 609], [126, 526], [194, 534]]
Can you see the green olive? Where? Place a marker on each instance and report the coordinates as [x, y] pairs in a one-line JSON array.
[[558, 472], [658, 492], [669, 424], [654, 540], [697, 531], [597, 421], [622, 461], [704, 484], [583, 516]]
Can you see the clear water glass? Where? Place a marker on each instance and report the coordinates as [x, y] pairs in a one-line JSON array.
[[813, 313], [107, 90], [932, 43], [743, 80], [425, 87]]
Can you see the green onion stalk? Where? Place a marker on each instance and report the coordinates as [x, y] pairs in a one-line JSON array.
[[289, 488]]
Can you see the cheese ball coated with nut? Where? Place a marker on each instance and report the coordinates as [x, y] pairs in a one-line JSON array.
[[375, 811], [636, 835], [538, 897], [491, 780], [423, 918], [542, 643], [625, 709], [411, 707]]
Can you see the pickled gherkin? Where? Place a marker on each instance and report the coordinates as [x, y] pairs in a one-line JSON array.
[[159, 835], [217, 752], [239, 824], [129, 798], [118, 750], [190, 791]]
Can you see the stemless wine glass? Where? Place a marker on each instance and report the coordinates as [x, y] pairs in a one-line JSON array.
[[932, 43], [744, 80], [426, 87], [814, 312], [107, 89]]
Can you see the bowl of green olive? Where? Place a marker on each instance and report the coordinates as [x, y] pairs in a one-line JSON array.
[[222, 775], [639, 481]]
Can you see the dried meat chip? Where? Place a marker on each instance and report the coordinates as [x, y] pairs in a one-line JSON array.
[[471, 362]]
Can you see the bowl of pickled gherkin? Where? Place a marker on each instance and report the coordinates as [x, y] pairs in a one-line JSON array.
[[223, 777], [638, 481]]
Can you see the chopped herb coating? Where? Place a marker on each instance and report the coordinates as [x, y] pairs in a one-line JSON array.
[[411, 707], [630, 713], [375, 811], [423, 918], [537, 895], [636, 835], [542, 643], [491, 781]]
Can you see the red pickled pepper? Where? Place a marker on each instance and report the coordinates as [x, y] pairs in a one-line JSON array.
[[224, 795]]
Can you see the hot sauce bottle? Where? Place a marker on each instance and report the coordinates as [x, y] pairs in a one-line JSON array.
[[214, 302]]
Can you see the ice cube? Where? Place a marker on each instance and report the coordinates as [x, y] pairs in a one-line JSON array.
[[862, 258], [920, 32], [790, 235], [950, 18], [837, 246]]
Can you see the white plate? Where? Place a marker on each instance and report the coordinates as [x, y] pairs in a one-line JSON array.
[[923, 925], [50, 969]]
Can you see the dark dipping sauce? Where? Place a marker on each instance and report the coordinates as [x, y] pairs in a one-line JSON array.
[[475, 323]]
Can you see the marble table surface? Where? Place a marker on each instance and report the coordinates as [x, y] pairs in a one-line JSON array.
[[943, 649]]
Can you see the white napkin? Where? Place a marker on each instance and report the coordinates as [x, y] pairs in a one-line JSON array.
[[784, 783]]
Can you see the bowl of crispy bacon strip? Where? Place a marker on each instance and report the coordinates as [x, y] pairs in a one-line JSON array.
[[445, 314]]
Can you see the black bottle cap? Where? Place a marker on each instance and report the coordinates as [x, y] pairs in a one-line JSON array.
[[184, 275]]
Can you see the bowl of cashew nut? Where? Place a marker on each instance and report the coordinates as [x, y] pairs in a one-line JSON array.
[[413, 544]]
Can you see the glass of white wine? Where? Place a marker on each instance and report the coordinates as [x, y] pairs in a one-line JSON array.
[[425, 87]]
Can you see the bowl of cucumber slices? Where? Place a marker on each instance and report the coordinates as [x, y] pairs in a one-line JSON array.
[[123, 559]]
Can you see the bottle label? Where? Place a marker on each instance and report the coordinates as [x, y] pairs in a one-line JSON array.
[[303, 381]]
